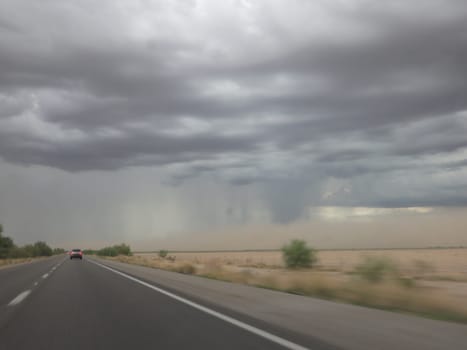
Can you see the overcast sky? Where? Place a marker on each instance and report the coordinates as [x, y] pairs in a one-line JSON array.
[[147, 121]]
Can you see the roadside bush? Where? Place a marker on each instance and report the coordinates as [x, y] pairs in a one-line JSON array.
[[376, 269], [31, 250], [42, 249], [18, 252], [297, 254], [28, 249], [57, 251], [9, 250], [163, 253], [118, 249], [107, 251], [6, 244], [186, 269], [122, 249]]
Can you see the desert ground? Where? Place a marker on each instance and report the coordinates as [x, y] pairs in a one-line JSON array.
[[448, 264], [431, 282]]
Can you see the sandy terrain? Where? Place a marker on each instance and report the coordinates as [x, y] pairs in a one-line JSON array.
[[438, 276], [443, 270], [446, 262]]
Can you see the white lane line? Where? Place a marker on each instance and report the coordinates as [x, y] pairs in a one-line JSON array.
[[19, 298], [269, 336]]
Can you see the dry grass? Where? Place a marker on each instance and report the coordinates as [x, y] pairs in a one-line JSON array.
[[433, 280], [440, 261], [420, 264], [7, 262]]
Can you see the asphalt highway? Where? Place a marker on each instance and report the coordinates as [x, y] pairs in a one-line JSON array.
[[60, 303]]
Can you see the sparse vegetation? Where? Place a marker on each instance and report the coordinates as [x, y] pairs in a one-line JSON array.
[[6, 245], [186, 269], [378, 280], [10, 251], [115, 250], [58, 251], [422, 268], [297, 254], [376, 269]]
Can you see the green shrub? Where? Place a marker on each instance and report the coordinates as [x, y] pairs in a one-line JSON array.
[[31, 250], [118, 249], [376, 269], [42, 249], [107, 251], [8, 249], [122, 249], [18, 252], [298, 254], [163, 253], [6, 244], [57, 251]]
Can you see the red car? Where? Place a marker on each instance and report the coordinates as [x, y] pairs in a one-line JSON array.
[[76, 253]]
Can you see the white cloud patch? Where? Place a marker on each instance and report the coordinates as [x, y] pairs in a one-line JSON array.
[[364, 213]]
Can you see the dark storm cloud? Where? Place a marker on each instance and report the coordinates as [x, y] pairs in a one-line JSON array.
[[88, 86], [114, 152]]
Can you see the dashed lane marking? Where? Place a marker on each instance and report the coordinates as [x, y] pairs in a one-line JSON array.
[[19, 298]]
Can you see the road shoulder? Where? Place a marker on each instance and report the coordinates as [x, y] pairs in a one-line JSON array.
[[342, 325]]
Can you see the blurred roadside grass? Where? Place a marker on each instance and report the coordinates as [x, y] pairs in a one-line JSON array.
[[376, 282], [7, 262]]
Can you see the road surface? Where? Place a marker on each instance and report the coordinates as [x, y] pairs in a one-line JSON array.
[[94, 304], [71, 304]]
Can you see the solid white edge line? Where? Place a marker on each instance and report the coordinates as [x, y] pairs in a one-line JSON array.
[[19, 298], [271, 337]]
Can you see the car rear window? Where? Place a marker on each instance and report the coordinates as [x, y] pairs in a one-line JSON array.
[[76, 250]]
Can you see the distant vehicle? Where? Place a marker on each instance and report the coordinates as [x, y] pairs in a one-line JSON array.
[[76, 253]]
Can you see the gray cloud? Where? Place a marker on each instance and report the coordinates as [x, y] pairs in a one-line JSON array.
[[294, 93]]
